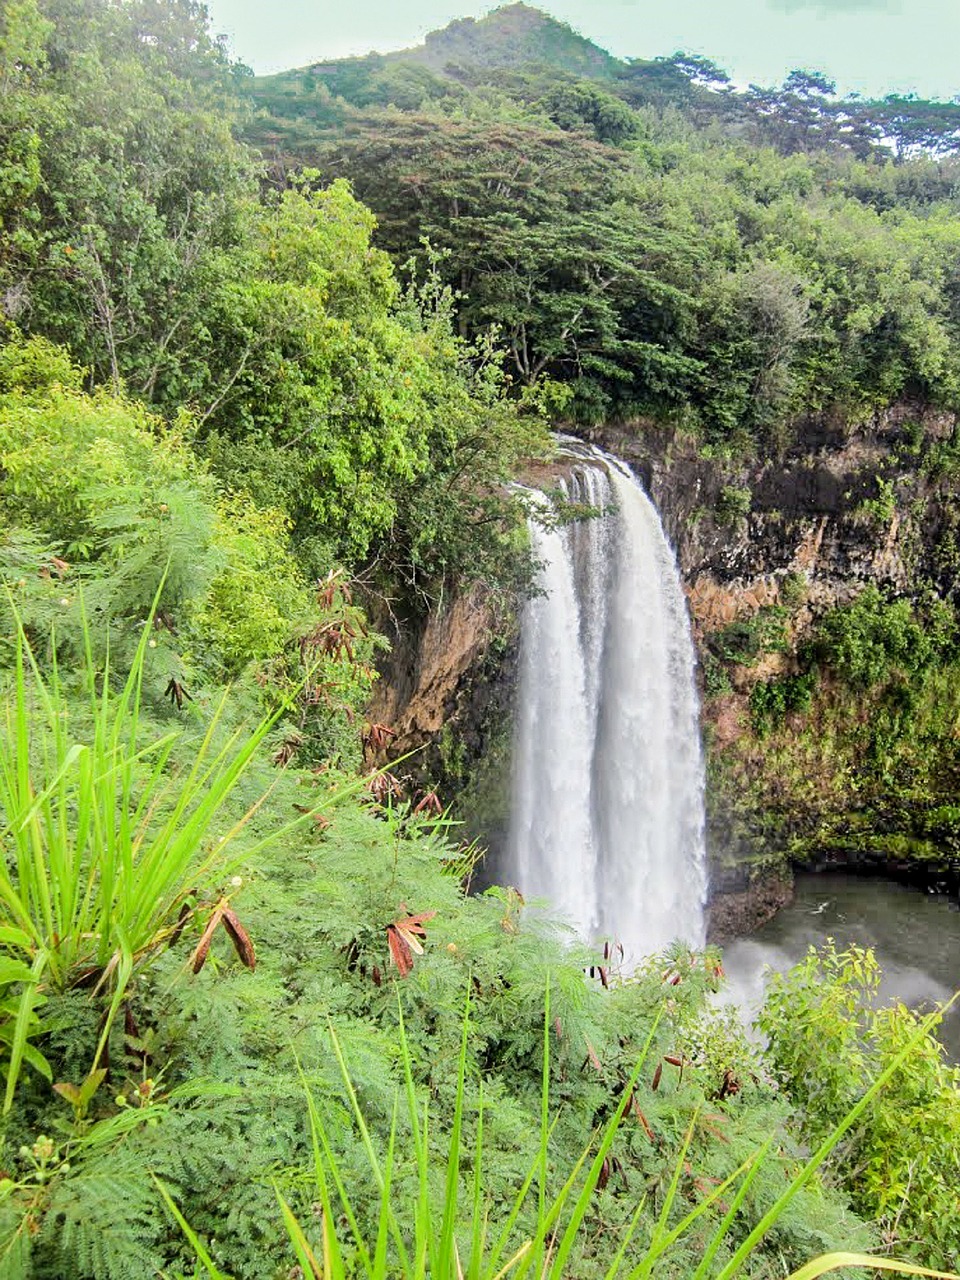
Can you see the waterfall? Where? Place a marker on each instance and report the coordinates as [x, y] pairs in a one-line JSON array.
[[607, 816]]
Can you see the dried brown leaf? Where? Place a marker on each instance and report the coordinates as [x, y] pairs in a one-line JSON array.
[[199, 957], [643, 1120], [240, 938], [400, 953]]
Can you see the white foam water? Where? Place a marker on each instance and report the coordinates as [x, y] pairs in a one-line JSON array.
[[607, 817]]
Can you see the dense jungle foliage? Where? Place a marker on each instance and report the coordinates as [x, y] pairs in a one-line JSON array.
[[736, 267], [247, 1007], [664, 244]]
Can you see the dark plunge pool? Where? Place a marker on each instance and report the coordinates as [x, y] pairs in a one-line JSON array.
[[915, 936]]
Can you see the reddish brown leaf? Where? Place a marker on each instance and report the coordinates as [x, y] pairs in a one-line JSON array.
[[656, 1077], [643, 1120], [178, 928], [400, 952], [377, 976], [730, 1086], [384, 785], [430, 803], [240, 938], [377, 737], [185, 913], [405, 937], [178, 693], [199, 957], [592, 1053], [414, 924]]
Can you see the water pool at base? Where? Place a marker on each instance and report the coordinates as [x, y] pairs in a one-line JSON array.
[[915, 936]]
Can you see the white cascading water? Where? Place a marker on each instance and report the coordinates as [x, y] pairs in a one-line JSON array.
[[607, 819]]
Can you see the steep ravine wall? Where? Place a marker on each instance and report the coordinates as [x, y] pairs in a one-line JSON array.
[[792, 535]]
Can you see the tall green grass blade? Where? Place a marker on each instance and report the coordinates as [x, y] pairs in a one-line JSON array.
[[518, 1203], [306, 1259], [829, 1143], [449, 1219], [625, 1242], [478, 1224], [26, 1006], [655, 1249], [583, 1200], [323, 1152], [367, 1144], [383, 1225], [196, 1243], [544, 1125], [666, 1241], [837, 1261], [424, 1245], [752, 1168]]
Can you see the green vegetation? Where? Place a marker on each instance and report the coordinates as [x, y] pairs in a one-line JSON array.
[[240, 974], [825, 1011], [853, 750], [265, 329], [665, 245], [746, 640]]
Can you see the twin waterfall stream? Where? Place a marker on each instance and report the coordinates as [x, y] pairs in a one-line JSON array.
[[607, 812]]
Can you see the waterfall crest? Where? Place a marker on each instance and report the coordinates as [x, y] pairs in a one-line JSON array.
[[607, 817]]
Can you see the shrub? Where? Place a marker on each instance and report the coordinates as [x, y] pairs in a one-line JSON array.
[[772, 700], [871, 639], [103, 846], [901, 1161], [744, 640], [732, 505]]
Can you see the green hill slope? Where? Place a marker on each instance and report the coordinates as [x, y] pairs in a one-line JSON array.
[[512, 36]]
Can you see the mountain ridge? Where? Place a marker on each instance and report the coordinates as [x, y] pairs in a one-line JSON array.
[[507, 37], [512, 35]]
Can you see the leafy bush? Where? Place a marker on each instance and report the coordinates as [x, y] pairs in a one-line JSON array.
[[104, 848], [772, 700], [732, 505], [901, 1162], [871, 639], [107, 498], [744, 640]]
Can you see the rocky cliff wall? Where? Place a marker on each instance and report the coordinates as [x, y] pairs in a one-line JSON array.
[[766, 548]]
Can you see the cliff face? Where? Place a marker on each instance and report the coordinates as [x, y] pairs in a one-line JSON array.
[[842, 507], [446, 691], [765, 550]]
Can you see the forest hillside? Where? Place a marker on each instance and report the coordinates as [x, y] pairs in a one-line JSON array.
[[753, 294], [271, 355]]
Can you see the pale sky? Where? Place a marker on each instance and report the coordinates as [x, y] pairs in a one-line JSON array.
[[871, 46]]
